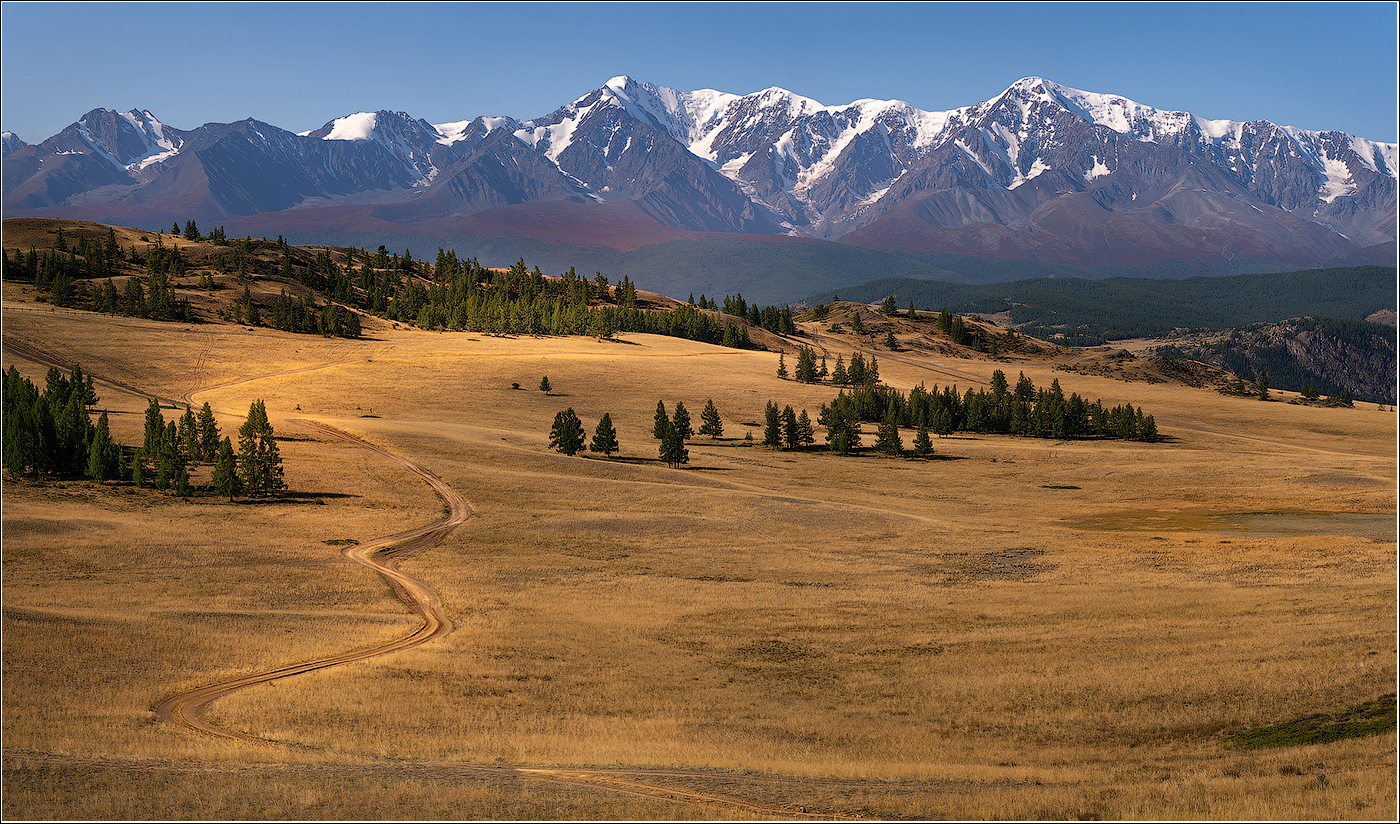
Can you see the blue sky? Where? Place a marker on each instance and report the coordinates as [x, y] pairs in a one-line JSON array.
[[297, 66]]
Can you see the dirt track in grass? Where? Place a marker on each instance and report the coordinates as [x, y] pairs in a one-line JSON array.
[[381, 555]]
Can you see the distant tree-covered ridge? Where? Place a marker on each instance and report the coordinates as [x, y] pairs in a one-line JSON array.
[[449, 294], [1085, 312]]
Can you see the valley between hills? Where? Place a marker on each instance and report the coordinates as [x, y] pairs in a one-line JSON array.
[[443, 617]]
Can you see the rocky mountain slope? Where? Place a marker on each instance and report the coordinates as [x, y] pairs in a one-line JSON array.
[[1041, 172], [1330, 355]]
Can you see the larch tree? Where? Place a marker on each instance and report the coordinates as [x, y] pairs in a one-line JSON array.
[[566, 435], [605, 437], [226, 480], [710, 423], [259, 459], [681, 421], [660, 421]]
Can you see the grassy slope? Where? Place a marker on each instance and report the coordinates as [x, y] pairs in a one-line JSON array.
[[1017, 630]]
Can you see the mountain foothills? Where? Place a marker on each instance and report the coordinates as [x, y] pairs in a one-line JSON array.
[[710, 187]]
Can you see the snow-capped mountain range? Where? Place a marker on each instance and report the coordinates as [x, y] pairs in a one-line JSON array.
[[1040, 171]]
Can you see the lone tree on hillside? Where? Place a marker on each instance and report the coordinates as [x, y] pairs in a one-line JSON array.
[[567, 433], [544, 384], [259, 460], [710, 423], [605, 437]]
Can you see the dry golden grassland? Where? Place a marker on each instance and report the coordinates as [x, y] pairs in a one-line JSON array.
[[863, 636]]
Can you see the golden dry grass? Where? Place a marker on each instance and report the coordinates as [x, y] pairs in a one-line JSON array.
[[860, 636]]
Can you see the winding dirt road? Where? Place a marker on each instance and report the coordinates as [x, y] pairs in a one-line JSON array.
[[381, 555]]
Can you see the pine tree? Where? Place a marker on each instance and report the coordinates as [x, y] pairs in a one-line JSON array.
[[138, 473], [806, 365], [155, 428], [922, 444], [544, 385], [772, 429], [208, 433], [660, 422], [889, 308], [710, 423], [806, 434], [226, 480], [259, 459], [681, 421], [605, 437], [567, 433], [792, 436], [672, 451], [888, 440], [782, 367], [104, 454], [189, 435]]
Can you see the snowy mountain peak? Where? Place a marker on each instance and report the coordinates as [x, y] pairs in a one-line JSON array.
[[12, 142], [358, 126], [132, 140]]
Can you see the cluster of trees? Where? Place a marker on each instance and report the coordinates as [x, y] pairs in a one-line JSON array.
[[859, 373], [567, 435], [1024, 410], [464, 296], [49, 432], [787, 429]]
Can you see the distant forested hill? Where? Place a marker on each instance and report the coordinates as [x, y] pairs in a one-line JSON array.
[[1091, 312]]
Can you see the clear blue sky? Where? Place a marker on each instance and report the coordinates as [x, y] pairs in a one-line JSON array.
[[297, 66]]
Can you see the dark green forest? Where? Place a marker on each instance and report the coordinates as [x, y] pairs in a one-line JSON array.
[[1093, 312]]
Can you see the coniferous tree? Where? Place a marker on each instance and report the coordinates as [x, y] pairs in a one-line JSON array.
[[259, 459], [605, 437], [138, 473], [842, 425], [226, 480], [660, 422], [792, 436], [544, 384], [567, 433], [189, 435], [806, 434], [104, 455], [772, 428], [208, 433], [782, 367], [681, 421], [840, 377], [672, 450], [888, 440], [710, 423], [155, 428], [922, 444]]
